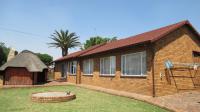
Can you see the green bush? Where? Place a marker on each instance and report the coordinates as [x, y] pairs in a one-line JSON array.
[[45, 58]]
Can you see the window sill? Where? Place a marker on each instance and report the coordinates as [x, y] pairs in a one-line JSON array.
[[106, 75], [63, 77], [133, 76], [89, 75], [72, 74]]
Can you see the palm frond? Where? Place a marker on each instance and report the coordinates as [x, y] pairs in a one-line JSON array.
[[64, 40]]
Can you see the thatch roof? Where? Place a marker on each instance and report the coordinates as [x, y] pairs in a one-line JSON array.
[[26, 59]]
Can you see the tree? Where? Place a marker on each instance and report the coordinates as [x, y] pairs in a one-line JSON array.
[[97, 40], [3, 53], [64, 40], [45, 58]]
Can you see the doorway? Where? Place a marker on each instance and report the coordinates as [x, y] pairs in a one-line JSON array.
[[64, 70]]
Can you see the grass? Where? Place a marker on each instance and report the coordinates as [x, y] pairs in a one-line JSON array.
[[18, 100]]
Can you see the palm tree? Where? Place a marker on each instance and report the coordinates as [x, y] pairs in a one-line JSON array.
[[64, 40]]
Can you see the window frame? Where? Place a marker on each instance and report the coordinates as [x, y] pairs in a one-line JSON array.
[[141, 58], [75, 71], [110, 66], [91, 62], [196, 54]]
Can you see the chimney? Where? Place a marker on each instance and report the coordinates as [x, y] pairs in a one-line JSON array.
[[11, 54]]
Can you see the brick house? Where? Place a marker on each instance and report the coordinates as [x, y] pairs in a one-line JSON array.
[[136, 64]]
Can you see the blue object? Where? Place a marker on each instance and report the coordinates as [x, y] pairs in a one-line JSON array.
[[168, 64]]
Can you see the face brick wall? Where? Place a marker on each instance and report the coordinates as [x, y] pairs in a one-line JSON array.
[[141, 85], [177, 47], [71, 78], [57, 73], [57, 70]]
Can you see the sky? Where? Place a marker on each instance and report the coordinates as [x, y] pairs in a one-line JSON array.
[[28, 24]]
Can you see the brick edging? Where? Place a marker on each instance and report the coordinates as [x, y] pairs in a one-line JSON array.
[[52, 99], [30, 86], [149, 99]]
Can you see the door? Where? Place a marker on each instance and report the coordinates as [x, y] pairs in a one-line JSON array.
[[64, 70]]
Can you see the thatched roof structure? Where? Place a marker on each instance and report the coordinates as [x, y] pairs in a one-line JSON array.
[[26, 59]]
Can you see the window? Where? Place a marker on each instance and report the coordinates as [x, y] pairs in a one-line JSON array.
[[133, 64], [72, 67], [88, 67], [196, 54], [107, 65]]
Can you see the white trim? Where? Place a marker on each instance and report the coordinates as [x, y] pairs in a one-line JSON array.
[[110, 58], [72, 71], [141, 60], [135, 75], [91, 66], [107, 74], [88, 74]]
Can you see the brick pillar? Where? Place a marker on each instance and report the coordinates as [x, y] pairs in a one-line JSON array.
[[118, 66], [78, 72]]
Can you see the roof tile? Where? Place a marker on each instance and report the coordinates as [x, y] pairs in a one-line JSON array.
[[150, 36]]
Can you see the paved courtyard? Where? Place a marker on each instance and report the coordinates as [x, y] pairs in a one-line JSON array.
[[181, 102]]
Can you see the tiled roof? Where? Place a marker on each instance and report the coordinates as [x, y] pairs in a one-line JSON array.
[[140, 38], [78, 53], [149, 36]]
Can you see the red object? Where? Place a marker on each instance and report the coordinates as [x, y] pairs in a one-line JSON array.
[[150, 36], [78, 53]]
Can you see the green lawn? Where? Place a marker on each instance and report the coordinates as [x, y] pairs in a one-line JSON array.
[[18, 100]]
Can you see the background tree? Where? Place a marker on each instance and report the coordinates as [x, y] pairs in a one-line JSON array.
[[97, 40], [2, 55], [64, 40], [45, 58], [4, 50]]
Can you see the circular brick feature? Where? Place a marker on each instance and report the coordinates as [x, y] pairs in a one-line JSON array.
[[51, 97]]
